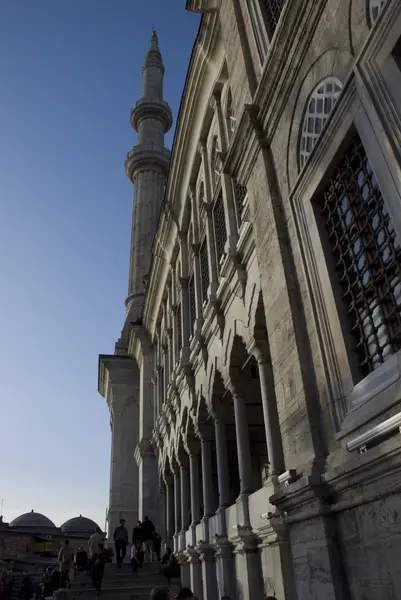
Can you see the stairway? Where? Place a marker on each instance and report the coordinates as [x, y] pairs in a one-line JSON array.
[[122, 584]]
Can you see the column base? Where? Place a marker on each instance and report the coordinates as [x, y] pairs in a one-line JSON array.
[[248, 563], [277, 567], [206, 553], [195, 569], [225, 567], [185, 569]]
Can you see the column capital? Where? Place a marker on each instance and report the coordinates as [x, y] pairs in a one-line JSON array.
[[234, 386], [192, 446], [168, 479], [182, 458], [204, 432]]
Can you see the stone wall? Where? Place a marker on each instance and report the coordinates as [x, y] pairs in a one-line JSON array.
[[16, 544]]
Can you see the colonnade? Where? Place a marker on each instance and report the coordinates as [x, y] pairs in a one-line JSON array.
[[189, 489]]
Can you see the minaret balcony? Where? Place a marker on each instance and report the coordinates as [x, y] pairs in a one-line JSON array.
[[147, 157], [151, 108]]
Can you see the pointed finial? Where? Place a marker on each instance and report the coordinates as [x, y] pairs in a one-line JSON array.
[[154, 42]]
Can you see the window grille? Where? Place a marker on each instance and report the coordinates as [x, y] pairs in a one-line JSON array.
[[272, 11], [240, 192], [367, 255], [204, 267], [375, 8], [179, 334], [192, 304], [219, 223], [319, 107]]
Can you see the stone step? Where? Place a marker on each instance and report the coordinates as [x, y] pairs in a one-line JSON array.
[[126, 583], [109, 594]]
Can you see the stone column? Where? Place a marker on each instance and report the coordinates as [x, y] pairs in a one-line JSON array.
[[170, 517], [195, 492], [243, 445], [207, 478], [270, 414], [193, 448], [185, 498], [177, 507], [222, 463], [149, 499]]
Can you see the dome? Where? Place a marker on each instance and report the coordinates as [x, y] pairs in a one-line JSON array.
[[32, 520], [79, 525]]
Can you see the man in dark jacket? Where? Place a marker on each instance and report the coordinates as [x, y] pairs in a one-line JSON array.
[[121, 540], [148, 530]]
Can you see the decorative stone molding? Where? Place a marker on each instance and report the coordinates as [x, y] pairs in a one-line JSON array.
[[147, 157], [152, 108]]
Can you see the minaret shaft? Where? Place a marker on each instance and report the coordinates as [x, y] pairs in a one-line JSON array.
[[147, 166]]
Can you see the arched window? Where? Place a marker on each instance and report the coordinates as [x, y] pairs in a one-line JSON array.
[[231, 120], [318, 109], [375, 8]]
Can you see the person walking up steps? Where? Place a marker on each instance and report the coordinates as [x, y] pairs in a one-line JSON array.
[[94, 541], [121, 540], [65, 559], [97, 569]]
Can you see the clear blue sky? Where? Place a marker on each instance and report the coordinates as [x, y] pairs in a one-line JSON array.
[[70, 71]]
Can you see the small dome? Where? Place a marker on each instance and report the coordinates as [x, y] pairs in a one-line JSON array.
[[32, 520], [79, 525]]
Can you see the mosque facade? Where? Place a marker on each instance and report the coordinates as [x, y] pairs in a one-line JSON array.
[[255, 389]]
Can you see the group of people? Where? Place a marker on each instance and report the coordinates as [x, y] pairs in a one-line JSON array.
[[6, 584], [146, 543]]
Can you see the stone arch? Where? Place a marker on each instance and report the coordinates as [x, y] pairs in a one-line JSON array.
[[244, 380], [334, 62], [222, 409], [239, 330]]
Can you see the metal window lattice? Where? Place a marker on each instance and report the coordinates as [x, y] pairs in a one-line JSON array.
[[367, 254], [220, 231], [320, 105], [272, 10], [179, 334], [192, 304], [240, 192], [204, 267], [375, 8]]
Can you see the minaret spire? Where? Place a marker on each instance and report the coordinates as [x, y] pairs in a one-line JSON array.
[[146, 166]]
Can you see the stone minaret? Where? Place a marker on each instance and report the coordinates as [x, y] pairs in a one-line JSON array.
[[128, 388], [147, 166]]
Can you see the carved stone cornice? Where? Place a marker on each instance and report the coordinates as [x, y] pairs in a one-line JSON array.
[[202, 6]]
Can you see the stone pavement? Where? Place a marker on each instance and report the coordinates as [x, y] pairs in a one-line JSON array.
[[122, 584]]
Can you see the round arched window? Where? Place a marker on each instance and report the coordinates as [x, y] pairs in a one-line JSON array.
[[319, 107], [375, 8]]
